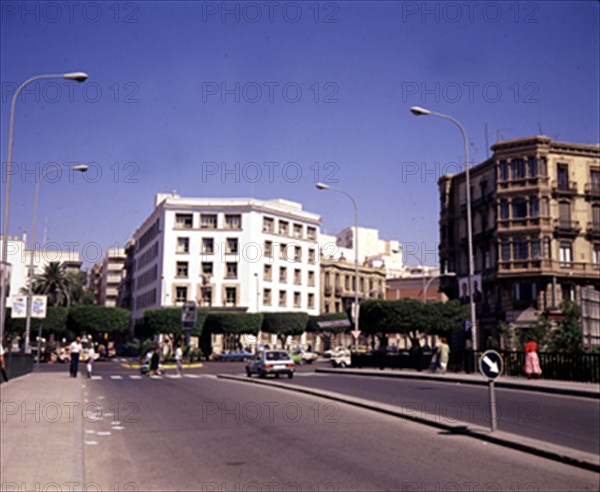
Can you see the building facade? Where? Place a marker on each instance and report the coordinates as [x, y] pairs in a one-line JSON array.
[[536, 229], [110, 272], [227, 254]]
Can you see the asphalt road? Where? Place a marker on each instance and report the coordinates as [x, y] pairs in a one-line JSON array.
[[202, 433]]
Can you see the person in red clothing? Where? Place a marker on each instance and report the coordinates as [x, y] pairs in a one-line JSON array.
[[532, 362]]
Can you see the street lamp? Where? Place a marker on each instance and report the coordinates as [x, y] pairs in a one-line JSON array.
[[356, 314], [81, 168], [77, 77], [418, 111]]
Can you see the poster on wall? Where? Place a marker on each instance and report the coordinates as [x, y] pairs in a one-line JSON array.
[[463, 289], [38, 306], [19, 307]]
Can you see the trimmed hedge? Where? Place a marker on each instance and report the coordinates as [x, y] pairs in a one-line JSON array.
[[168, 320], [96, 320], [285, 324], [233, 323]]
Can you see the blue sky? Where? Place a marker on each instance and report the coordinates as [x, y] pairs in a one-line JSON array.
[[179, 92]]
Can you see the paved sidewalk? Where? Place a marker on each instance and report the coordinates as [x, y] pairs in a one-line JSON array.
[[41, 441], [587, 390]]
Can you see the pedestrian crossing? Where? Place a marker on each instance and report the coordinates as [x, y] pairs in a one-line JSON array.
[[119, 377]]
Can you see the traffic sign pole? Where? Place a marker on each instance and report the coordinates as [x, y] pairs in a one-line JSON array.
[[493, 418], [491, 366]]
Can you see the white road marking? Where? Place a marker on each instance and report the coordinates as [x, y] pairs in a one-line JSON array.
[[115, 422], [96, 377], [174, 376], [193, 376], [117, 427], [91, 443], [90, 431], [154, 376], [116, 377], [135, 376], [104, 433]]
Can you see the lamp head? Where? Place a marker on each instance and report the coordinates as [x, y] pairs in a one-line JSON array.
[[80, 167], [76, 76], [419, 111], [321, 186]]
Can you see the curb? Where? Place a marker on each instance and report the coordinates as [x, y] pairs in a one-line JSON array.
[[561, 454], [457, 379], [195, 365]]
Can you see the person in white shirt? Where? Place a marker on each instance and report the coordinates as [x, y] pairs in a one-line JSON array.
[[74, 351], [90, 361], [3, 364], [179, 359]]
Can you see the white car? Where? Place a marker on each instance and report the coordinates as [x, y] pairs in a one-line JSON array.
[[307, 357], [275, 362], [342, 361], [338, 351]]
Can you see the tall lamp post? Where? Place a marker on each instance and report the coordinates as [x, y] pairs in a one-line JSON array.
[[77, 77], [418, 111], [81, 168], [356, 310]]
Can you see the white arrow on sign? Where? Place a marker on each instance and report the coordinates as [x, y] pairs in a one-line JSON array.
[[491, 364]]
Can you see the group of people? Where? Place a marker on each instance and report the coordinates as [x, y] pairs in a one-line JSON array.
[[75, 352], [153, 360]]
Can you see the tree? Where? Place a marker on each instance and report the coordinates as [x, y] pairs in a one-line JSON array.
[[55, 323], [285, 324], [232, 325], [55, 283], [96, 320], [168, 320]]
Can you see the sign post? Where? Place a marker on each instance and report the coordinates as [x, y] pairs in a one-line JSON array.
[[38, 310], [491, 366], [189, 315]]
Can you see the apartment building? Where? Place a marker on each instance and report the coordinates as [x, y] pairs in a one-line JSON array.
[[536, 229], [234, 254], [109, 273]]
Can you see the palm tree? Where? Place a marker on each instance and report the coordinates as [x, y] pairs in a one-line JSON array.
[[56, 283]]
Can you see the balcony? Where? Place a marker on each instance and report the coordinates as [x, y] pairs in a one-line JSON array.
[[592, 191], [521, 224], [338, 292], [592, 230], [328, 290], [522, 184], [566, 228], [564, 188], [518, 268]]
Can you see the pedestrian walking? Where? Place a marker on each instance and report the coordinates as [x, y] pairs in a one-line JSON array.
[[3, 364], [90, 361], [179, 359], [532, 361], [154, 359], [444, 355], [74, 352]]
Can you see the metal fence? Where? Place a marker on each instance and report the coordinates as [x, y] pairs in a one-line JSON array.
[[18, 364], [580, 367]]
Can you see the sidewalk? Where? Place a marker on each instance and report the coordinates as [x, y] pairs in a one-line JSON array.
[[41, 442], [586, 390]]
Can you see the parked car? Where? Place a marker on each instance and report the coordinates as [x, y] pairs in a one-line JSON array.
[[342, 361], [302, 356], [235, 355], [275, 362], [338, 351]]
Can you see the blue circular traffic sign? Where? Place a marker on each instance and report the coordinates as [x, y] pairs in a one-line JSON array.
[[491, 364]]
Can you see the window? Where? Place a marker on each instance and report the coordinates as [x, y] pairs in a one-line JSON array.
[[532, 166], [568, 292], [183, 221], [297, 253], [208, 245], [298, 231], [208, 221], [562, 176], [297, 300], [546, 248], [207, 268], [230, 296], [535, 249], [361, 283], [503, 170], [564, 214], [487, 262], [505, 251], [232, 245], [283, 227], [268, 224], [283, 275], [326, 279], [518, 168], [565, 254], [311, 301], [232, 269], [283, 251], [504, 209], [183, 245], [596, 255], [347, 282], [520, 249], [268, 272], [267, 297], [519, 208], [206, 296], [534, 207], [525, 291], [269, 249], [311, 233], [311, 279], [297, 277], [233, 221], [312, 256], [182, 269], [180, 294], [595, 180], [282, 298], [596, 216]]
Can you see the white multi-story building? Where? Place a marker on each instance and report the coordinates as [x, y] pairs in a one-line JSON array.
[[19, 257], [110, 272], [227, 254]]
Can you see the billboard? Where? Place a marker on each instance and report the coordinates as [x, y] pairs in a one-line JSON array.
[[463, 289]]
